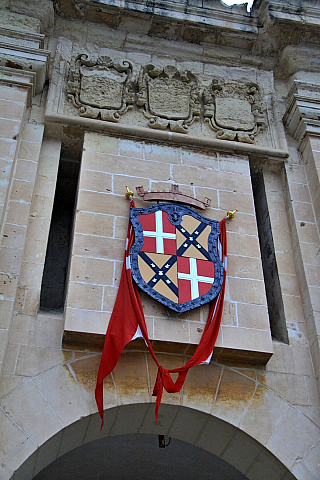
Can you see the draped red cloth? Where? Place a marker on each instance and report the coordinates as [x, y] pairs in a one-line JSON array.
[[127, 322]]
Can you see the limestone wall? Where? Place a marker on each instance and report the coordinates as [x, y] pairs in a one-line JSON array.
[[108, 165], [259, 396]]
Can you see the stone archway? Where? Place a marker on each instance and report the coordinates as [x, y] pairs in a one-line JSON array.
[[198, 429], [135, 456]]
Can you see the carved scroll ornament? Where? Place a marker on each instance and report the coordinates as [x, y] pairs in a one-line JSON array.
[[168, 97], [101, 87], [234, 110]]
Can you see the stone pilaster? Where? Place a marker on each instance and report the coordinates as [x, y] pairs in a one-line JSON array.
[[302, 120], [23, 72]]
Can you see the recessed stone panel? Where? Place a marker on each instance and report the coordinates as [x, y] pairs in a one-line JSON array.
[[98, 246]]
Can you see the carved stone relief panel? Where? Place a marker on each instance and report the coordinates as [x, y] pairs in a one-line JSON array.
[[101, 87], [168, 97], [234, 110]]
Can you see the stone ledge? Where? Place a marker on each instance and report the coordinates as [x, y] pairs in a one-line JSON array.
[[131, 131], [83, 341]]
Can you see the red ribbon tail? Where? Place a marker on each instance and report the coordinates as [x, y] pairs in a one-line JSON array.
[[99, 400], [158, 401], [158, 390]]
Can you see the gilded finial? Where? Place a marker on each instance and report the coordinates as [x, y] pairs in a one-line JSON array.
[[129, 193], [230, 215]]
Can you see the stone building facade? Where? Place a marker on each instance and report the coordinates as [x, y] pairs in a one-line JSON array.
[[97, 95]]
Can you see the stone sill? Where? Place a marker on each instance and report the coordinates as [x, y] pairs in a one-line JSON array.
[[171, 138], [84, 341]]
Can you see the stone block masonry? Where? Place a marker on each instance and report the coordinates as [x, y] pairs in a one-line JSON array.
[[108, 165], [248, 96]]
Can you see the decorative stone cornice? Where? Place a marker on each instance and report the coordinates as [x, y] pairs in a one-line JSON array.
[[211, 23], [23, 61], [214, 14], [303, 112], [20, 38], [295, 11], [19, 78], [295, 58], [266, 34], [28, 59]]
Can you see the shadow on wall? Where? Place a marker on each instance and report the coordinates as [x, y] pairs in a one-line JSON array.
[[59, 242]]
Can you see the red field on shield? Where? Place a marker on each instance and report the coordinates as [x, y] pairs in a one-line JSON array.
[[195, 278], [159, 235]]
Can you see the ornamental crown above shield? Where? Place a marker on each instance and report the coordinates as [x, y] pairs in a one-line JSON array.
[[174, 258]]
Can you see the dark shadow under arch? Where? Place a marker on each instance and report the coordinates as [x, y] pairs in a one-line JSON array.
[[138, 456], [223, 447]]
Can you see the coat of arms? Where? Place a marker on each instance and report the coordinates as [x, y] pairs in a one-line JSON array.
[[234, 110], [179, 257], [169, 98], [101, 88], [174, 257]]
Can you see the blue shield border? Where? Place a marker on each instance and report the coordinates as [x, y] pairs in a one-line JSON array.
[[175, 212]]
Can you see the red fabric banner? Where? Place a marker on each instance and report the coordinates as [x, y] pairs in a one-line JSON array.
[[127, 322]]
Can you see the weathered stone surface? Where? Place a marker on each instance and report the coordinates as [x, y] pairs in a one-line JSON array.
[[101, 87], [200, 387], [168, 97], [234, 110]]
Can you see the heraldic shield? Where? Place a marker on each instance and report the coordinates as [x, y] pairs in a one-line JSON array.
[[174, 258]]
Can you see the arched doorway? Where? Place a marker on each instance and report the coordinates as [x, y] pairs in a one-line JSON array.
[[138, 456], [214, 442]]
